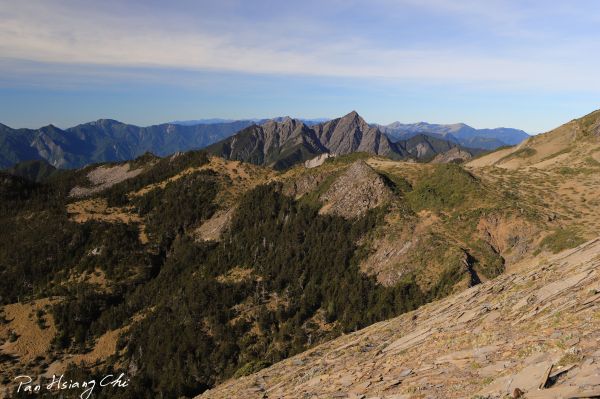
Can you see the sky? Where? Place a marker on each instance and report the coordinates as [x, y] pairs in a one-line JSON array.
[[525, 64]]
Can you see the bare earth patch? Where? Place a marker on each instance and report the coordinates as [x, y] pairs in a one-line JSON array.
[[104, 177]]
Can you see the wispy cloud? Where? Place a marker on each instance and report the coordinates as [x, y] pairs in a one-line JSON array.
[[523, 63], [63, 32]]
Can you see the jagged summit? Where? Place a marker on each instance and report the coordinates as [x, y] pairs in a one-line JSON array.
[[107, 140], [351, 133], [283, 143]]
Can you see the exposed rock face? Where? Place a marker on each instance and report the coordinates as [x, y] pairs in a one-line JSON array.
[[317, 161], [276, 144], [104, 177], [512, 237], [212, 229], [535, 331], [455, 154], [303, 185], [352, 134], [356, 191], [282, 144]]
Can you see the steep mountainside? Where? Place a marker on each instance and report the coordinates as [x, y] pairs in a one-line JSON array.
[[532, 333], [237, 265], [214, 269], [277, 144], [283, 144], [106, 140], [574, 144], [532, 329], [352, 134], [465, 135]]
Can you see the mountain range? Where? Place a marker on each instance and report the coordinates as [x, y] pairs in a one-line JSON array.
[[364, 276], [107, 140], [281, 144], [460, 133]]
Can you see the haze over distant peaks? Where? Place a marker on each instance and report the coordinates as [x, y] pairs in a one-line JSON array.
[[461, 133]]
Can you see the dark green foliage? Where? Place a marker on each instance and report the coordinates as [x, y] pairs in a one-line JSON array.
[[37, 171], [160, 170], [181, 204], [75, 315], [301, 256]]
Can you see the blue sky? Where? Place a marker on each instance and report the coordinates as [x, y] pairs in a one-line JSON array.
[[524, 64]]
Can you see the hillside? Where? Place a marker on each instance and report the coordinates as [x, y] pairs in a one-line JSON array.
[[201, 251], [539, 313], [534, 330], [558, 170], [575, 144]]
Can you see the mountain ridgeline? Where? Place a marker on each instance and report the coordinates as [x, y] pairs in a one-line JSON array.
[[288, 142], [106, 140], [280, 142], [459, 133]]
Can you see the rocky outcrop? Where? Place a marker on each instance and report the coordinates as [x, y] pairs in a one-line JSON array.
[[288, 142], [212, 229], [317, 161], [454, 155], [356, 191], [535, 331], [303, 185]]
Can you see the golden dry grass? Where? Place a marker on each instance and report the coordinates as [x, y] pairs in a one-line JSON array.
[[32, 340]]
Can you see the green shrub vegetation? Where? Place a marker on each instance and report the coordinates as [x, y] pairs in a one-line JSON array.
[[447, 187], [561, 239]]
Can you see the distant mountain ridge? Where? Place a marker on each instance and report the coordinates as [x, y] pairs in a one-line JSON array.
[[258, 121], [283, 144], [463, 134], [107, 140]]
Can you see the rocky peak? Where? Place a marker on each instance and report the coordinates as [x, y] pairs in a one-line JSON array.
[[356, 191], [278, 134], [351, 133]]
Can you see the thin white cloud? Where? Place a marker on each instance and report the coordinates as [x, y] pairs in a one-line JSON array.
[[61, 33]]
